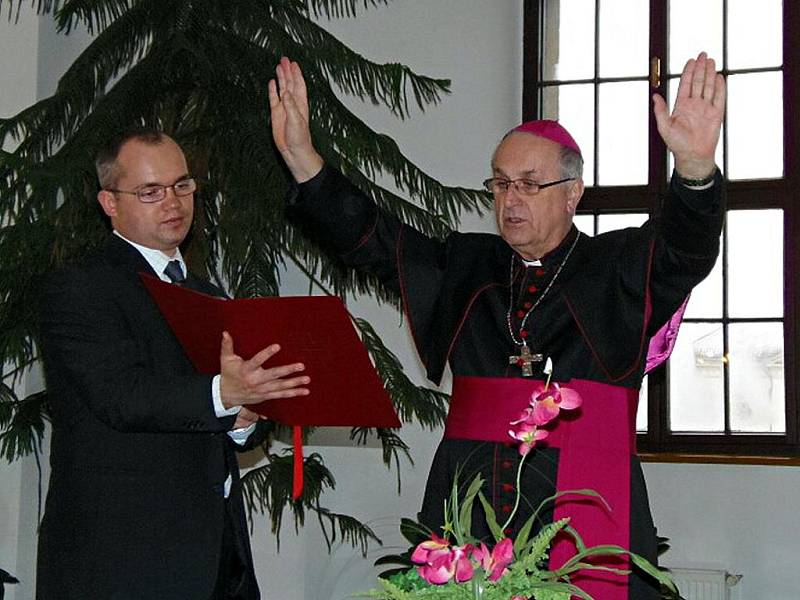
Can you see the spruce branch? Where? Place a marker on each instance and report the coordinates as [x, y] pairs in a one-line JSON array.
[[340, 8], [268, 489], [198, 69], [24, 423]]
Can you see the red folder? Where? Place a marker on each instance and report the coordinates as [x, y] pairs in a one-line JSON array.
[[345, 389]]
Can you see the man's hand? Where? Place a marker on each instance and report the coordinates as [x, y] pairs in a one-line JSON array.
[[691, 132], [244, 382], [288, 104]]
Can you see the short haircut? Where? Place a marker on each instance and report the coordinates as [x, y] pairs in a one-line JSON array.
[[571, 164], [106, 161]]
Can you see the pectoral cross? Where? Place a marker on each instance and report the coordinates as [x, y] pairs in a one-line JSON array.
[[525, 359]]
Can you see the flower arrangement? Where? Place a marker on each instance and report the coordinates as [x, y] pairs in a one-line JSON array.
[[456, 566]]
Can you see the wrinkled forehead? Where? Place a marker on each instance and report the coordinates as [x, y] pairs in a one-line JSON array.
[[524, 154]]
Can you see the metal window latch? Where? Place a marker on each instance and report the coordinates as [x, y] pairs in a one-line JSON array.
[[655, 72]]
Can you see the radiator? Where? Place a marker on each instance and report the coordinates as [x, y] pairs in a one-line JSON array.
[[705, 584]]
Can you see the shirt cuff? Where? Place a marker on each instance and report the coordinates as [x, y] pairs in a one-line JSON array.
[[239, 436], [216, 397], [698, 188]]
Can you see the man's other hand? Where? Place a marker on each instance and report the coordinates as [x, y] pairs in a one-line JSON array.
[[246, 417]]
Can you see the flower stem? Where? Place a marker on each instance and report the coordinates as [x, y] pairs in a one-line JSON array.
[[519, 494]]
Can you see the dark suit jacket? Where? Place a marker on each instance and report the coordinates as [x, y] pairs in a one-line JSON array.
[[139, 459]]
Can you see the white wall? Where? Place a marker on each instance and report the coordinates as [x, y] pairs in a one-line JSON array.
[[740, 518], [19, 50]]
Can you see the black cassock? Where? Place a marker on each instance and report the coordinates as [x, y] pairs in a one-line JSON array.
[[466, 296]]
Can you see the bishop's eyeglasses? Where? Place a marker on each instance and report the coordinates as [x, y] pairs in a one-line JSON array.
[[527, 187], [156, 193]]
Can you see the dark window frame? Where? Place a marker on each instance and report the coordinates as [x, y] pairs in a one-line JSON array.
[[776, 193]]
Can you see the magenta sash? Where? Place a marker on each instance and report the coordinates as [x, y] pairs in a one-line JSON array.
[[595, 445]]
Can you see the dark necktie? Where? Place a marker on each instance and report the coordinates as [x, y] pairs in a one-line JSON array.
[[174, 271]]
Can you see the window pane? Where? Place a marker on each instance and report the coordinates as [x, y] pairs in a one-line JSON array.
[[573, 107], [641, 411], [585, 223], [693, 27], [755, 263], [620, 221], [622, 133], [756, 377], [755, 126], [705, 301], [569, 40], [624, 38], [672, 92], [696, 379], [755, 37]]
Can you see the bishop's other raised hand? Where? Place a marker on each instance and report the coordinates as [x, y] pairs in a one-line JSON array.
[[289, 115], [691, 132]]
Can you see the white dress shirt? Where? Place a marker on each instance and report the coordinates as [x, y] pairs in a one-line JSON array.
[[158, 261]]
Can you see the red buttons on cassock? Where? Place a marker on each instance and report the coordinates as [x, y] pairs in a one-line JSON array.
[[520, 313], [528, 304], [540, 272], [507, 487], [523, 334], [506, 464], [508, 531], [506, 508], [533, 289]]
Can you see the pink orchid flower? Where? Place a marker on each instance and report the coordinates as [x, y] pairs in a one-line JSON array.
[[547, 404], [494, 563], [527, 431], [430, 550], [440, 563]]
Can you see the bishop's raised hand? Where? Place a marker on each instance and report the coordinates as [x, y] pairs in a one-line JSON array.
[[289, 115], [691, 132]]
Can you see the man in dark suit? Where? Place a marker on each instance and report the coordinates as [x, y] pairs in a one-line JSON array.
[[145, 499]]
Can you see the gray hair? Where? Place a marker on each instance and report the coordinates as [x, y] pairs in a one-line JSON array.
[[571, 164], [571, 161]]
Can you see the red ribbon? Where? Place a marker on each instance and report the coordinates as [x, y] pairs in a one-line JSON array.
[[297, 479]]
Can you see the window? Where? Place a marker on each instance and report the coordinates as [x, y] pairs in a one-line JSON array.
[[730, 387]]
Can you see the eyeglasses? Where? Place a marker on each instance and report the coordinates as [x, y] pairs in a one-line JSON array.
[[156, 193], [527, 187]]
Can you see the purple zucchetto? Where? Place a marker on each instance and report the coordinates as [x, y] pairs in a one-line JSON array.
[[550, 130]]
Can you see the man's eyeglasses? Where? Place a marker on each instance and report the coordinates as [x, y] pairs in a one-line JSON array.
[[527, 187], [156, 193]]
